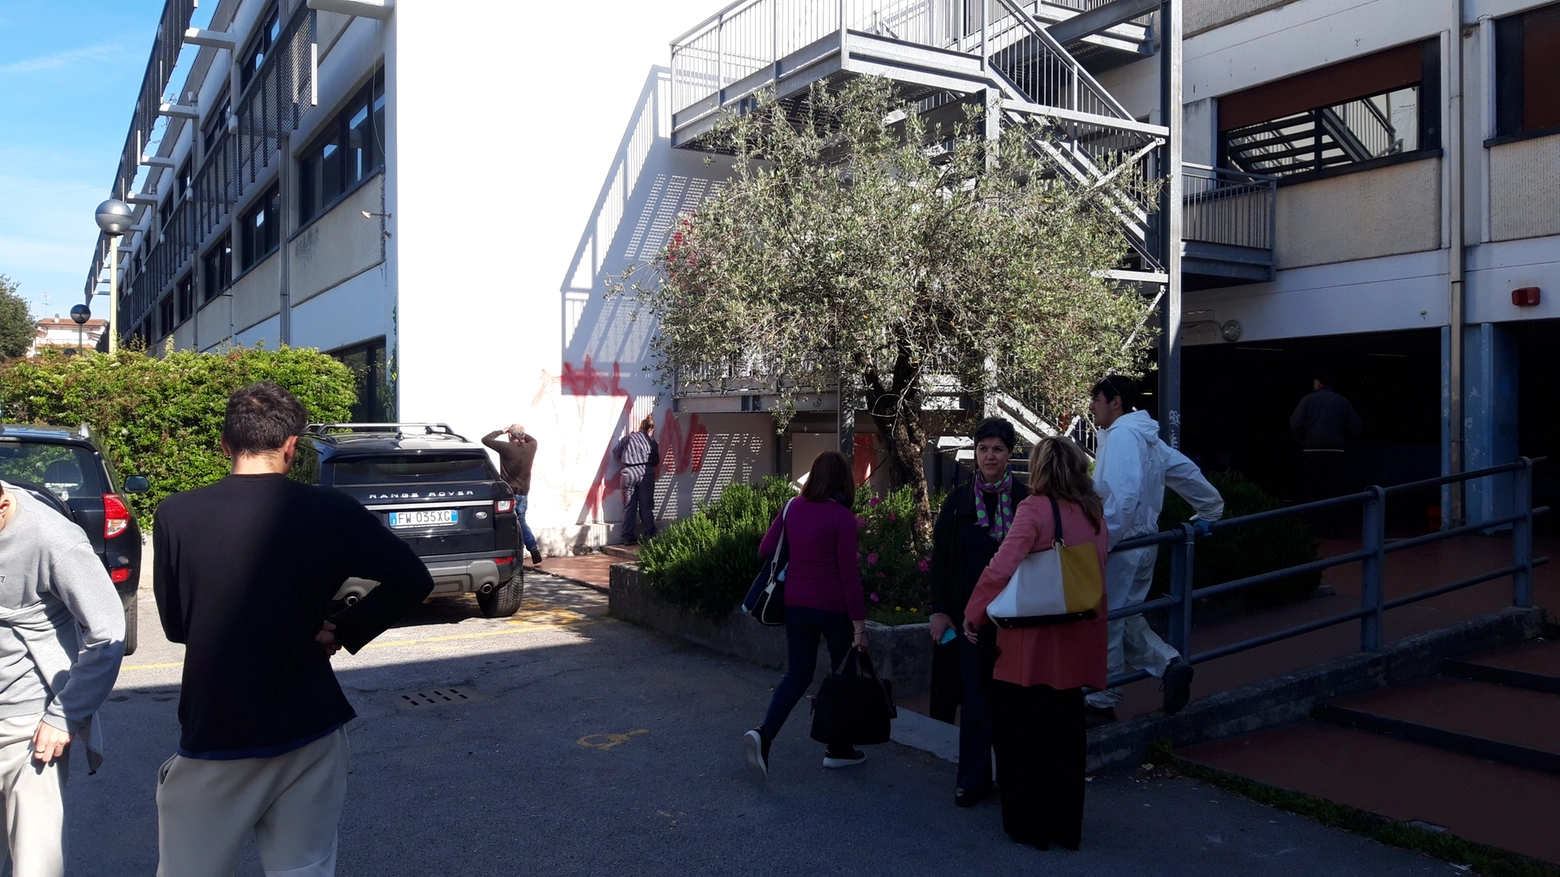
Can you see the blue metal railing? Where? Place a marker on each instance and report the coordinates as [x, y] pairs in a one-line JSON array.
[[1371, 556]]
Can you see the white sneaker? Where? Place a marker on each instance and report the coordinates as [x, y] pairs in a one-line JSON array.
[[757, 753]]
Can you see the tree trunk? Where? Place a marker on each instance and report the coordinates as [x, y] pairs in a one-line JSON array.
[[895, 406]]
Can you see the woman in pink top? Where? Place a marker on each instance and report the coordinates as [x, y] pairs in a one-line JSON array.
[[822, 598], [1037, 695]]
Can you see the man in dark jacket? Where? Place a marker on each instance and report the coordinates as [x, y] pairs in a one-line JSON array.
[[1324, 423], [244, 571], [516, 453]]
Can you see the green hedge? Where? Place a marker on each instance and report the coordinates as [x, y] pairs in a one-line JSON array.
[[707, 561], [162, 417], [1243, 551]]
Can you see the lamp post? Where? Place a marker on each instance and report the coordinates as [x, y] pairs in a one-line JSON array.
[[114, 217], [81, 314]]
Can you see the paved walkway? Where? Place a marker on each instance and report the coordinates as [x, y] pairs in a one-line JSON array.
[[588, 746]]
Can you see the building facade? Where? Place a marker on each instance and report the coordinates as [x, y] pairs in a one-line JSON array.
[[441, 199]]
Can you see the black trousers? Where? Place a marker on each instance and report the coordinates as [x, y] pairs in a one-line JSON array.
[[1325, 474], [639, 509], [1041, 756]]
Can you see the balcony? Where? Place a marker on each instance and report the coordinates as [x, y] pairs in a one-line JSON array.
[[1227, 227]]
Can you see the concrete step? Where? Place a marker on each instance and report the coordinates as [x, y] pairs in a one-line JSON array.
[[1500, 722], [1534, 665], [1474, 798], [623, 552]]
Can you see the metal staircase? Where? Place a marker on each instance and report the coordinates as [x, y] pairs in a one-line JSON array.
[[1314, 140]]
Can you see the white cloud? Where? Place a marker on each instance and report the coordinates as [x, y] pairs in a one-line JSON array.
[[100, 53]]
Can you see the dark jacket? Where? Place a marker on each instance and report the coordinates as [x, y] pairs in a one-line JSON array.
[[960, 549], [1325, 420], [514, 459]]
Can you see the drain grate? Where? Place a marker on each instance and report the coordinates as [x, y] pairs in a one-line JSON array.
[[446, 695]]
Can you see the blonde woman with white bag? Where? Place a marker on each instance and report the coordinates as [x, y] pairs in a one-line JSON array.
[[1037, 695]]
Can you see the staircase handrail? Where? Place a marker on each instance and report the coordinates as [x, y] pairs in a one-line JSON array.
[[1082, 78]]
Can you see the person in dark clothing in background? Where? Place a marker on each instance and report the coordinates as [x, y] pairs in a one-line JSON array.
[[244, 571], [970, 527], [516, 453], [639, 454], [1324, 423]]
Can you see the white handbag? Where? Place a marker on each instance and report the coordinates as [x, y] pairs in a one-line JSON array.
[[1060, 584]]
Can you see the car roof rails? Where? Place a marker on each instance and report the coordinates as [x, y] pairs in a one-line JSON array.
[[399, 429]]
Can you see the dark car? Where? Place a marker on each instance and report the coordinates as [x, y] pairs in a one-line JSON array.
[[69, 467], [437, 490]]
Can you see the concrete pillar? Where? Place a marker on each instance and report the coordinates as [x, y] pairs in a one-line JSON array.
[[1489, 415]]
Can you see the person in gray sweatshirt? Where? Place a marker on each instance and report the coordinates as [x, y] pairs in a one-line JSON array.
[[62, 636]]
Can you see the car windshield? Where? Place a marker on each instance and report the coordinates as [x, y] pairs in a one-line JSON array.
[[65, 470], [413, 469]]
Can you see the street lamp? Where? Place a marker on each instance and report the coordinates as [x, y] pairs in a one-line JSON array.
[[114, 217], [81, 314]]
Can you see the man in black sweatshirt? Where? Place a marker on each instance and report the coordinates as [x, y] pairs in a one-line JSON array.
[[244, 571]]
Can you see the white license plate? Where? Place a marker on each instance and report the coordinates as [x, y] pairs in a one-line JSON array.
[[430, 518]]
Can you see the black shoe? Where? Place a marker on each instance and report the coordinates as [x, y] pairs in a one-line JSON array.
[[968, 797], [843, 757], [536, 557], [757, 746], [1095, 716], [1177, 686]]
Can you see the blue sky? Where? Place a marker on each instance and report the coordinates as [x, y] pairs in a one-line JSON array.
[[69, 71]]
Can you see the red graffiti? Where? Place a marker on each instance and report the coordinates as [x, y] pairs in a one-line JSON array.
[[679, 454], [588, 381]]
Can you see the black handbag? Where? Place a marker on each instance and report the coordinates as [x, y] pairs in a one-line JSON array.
[[765, 598], [851, 707]]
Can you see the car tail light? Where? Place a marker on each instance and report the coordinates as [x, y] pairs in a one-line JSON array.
[[119, 575], [503, 560], [116, 515], [503, 506]]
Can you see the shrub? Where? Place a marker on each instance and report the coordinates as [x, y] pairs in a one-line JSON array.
[[893, 572], [162, 417], [1244, 551], [706, 561]]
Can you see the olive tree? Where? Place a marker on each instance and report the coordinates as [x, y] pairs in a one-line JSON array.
[[858, 245], [17, 327]]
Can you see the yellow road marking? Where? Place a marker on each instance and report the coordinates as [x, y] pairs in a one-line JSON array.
[[607, 741], [543, 617]]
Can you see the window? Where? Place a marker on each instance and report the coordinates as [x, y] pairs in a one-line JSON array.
[[254, 57], [216, 123], [182, 179], [350, 150], [259, 231], [1527, 72], [164, 210], [413, 469], [1359, 111], [186, 296], [375, 402], [165, 316], [217, 269]]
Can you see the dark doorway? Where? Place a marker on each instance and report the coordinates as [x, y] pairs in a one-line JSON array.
[[375, 397], [1538, 421], [1237, 398]]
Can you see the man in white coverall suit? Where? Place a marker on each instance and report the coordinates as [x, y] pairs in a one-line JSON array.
[[1132, 468]]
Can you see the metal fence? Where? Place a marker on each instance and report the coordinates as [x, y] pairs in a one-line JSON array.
[[1184, 592], [1228, 207]]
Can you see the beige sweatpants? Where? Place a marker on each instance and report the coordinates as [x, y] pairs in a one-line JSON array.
[[34, 801], [292, 803]]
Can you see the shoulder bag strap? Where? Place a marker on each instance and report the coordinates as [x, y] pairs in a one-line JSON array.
[[1056, 514], [781, 546]]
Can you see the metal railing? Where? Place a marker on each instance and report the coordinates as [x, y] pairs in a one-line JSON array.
[[1371, 556], [1228, 207]]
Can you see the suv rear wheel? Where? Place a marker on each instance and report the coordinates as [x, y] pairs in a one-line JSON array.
[[504, 600], [131, 611]]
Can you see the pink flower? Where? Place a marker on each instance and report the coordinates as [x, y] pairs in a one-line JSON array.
[[874, 502], [874, 597], [881, 576], [923, 565], [892, 516], [872, 558]]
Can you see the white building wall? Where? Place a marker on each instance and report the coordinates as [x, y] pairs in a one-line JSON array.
[[520, 181]]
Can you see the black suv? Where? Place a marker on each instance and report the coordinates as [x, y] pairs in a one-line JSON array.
[[67, 470], [437, 491]]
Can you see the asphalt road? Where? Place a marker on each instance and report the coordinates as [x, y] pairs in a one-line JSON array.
[[585, 745]]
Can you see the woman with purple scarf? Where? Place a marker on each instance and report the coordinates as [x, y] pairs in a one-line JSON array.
[[973, 520]]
